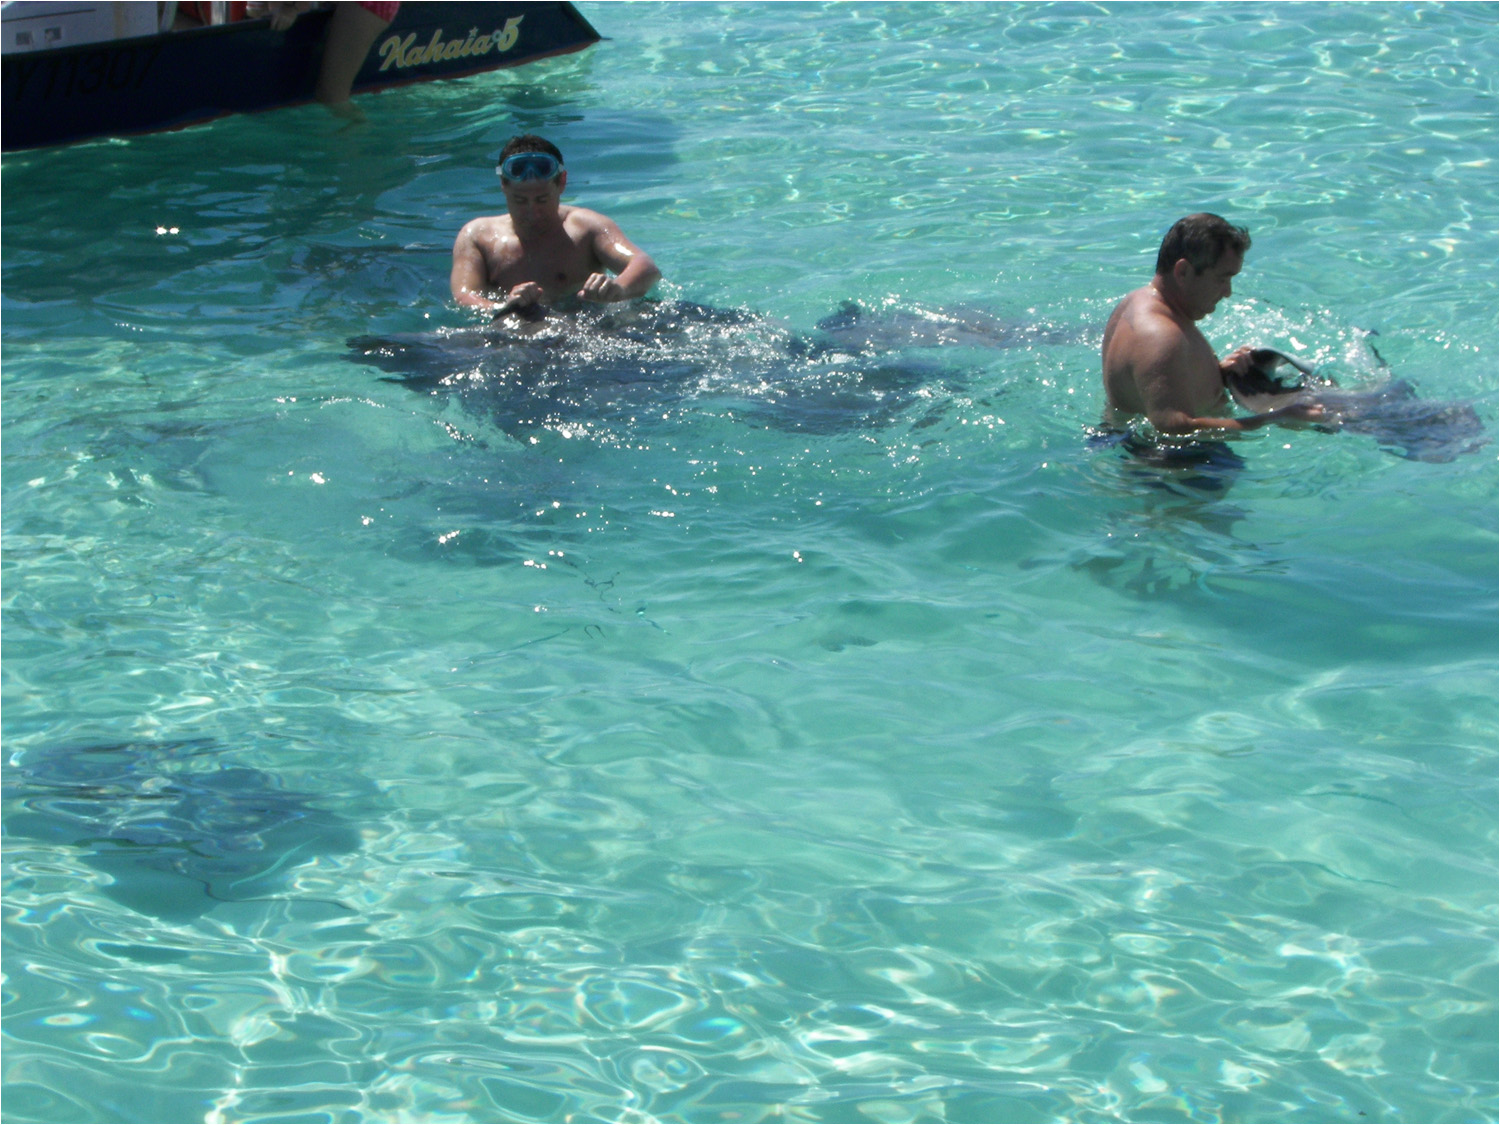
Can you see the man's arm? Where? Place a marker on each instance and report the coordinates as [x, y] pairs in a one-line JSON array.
[[1166, 373], [469, 279], [1183, 423], [635, 272]]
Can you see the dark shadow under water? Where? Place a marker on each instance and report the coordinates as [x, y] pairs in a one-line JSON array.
[[175, 838], [1204, 468], [617, 364]]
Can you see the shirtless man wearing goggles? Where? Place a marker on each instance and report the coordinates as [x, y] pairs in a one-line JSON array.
[[541, 250]]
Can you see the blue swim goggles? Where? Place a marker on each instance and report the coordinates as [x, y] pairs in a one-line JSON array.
[[529, 166]]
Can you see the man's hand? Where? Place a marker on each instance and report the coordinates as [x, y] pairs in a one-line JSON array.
[[1299, 412], [527, 293], [1236, 362], [601, 288]]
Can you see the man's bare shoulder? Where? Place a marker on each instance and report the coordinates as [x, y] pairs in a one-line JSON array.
[[486, 226], [1145, 345], [580, 220], [1143, 329], [1146, 312]]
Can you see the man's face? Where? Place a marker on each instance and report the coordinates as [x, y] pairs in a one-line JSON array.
[[533, 203], [1205, 289]]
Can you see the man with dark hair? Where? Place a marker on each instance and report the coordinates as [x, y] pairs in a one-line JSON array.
[[541, 250], [1156, 362], [1202, 240]]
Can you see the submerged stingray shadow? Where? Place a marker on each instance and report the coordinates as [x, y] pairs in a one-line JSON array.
[[630, 362], [175, 840]]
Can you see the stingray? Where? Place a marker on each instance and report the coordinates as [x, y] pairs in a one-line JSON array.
[[176, 838], [1390, 412], [613, 366]]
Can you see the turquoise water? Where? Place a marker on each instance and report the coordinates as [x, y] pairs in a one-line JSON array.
[[698, 726]]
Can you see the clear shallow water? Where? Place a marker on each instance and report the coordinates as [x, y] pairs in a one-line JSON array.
[[697, 728]]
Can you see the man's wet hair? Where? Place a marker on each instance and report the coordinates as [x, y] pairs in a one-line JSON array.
[[1202, 240], [530, 142]]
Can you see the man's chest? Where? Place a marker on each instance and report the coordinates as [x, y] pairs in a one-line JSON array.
[[548, 262]]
